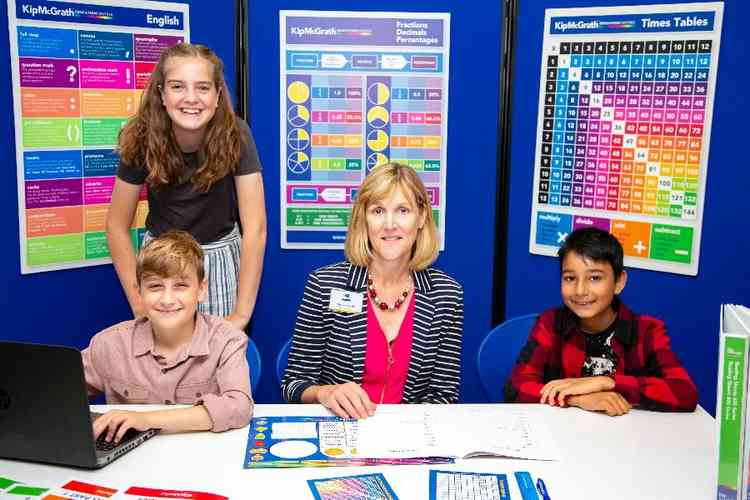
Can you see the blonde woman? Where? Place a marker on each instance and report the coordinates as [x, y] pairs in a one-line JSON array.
[[382, 326]]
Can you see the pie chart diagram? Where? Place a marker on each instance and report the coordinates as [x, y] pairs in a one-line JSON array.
[[377, 140], [375, 159], [377, 116], [298, 139], [298, 92], [378, 93], [298, 162], [298, 115]]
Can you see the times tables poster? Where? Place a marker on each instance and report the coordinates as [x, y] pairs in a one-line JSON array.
[[358, 89], [624, 125], [78, 70]]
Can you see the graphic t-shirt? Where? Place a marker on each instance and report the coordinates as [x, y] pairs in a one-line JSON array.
[[600, 359]]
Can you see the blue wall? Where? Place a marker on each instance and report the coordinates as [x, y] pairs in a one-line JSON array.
[[689, 305], [69, 306], [472, 123]]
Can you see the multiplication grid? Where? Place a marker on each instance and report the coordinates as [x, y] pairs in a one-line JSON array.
[[624, 127]]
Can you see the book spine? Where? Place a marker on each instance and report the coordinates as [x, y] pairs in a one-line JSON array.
[[730, 415]]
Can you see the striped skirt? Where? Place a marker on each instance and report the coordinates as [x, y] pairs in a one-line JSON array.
[[221, 261]]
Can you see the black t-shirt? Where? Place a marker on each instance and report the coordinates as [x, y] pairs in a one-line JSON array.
[[600, 359], [207, 216]]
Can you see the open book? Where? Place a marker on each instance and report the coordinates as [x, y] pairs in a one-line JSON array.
[[400, 434], [732, 415], [456, 431]]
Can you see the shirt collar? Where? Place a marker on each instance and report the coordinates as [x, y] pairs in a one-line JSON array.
[[626, 325], [357, 279], [143, 338]]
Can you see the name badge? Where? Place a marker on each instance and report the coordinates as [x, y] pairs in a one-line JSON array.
[[345, 301]]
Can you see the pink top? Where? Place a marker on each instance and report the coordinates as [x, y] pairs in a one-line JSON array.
[[121, 363], [384, 376]]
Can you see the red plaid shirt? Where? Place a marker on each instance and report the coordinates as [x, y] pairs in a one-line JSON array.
[[648, 372]]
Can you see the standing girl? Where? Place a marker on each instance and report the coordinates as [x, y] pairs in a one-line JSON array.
[[202, 171]]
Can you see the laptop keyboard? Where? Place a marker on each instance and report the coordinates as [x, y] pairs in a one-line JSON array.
[[103, 445]]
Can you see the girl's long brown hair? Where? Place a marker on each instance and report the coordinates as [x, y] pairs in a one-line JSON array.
[[147, 138]]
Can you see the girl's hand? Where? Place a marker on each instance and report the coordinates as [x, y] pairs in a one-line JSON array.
[[139, 310], [239, 321]]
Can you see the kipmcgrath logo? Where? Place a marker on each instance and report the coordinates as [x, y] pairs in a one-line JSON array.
[[45, 10], [308, 31]]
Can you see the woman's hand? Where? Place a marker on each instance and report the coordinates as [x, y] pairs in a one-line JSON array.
[[347, 400]]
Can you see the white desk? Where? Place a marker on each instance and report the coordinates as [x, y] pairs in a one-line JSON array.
[[642, 455]]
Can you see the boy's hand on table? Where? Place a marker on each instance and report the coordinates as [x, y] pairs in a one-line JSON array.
[[610, 402], [555, 391], [115, 423]]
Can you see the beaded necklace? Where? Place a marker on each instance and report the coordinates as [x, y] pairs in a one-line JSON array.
[[380, 303]]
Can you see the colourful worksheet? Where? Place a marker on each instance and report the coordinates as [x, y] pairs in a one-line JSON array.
[[78, 71], [624, 125], [15, 489], [459, 485], [358, 89], [141, 493], [7, 483], [282, 442], [362, 487], [80, 490]]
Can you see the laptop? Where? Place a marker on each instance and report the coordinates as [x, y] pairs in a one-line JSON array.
[[44, 409]]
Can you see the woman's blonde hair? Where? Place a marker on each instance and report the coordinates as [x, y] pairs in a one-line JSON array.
[[147, 138], [378, 185]]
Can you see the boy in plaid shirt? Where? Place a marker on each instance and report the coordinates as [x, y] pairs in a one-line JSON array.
[[593, 352]]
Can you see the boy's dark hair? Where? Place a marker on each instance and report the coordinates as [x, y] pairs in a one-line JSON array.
[[595, 244]]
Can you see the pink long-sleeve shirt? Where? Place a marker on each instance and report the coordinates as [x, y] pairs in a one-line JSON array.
[[121, 363]]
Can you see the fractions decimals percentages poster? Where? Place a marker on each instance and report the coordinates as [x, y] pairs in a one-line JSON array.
[[79, 69], [624, 123], [358, 89]]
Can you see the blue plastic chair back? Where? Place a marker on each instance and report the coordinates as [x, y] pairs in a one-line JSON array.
[[281, 360], [253, 359], [498, 354]]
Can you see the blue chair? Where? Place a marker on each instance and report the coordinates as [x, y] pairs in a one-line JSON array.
[[253, 359], [281, 360], [498, 353]]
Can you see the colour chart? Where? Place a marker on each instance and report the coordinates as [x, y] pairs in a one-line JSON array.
[[358, 89], [283, 442], [78, 69], [624, 124]]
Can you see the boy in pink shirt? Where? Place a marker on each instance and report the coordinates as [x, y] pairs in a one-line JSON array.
[[173, 354]]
